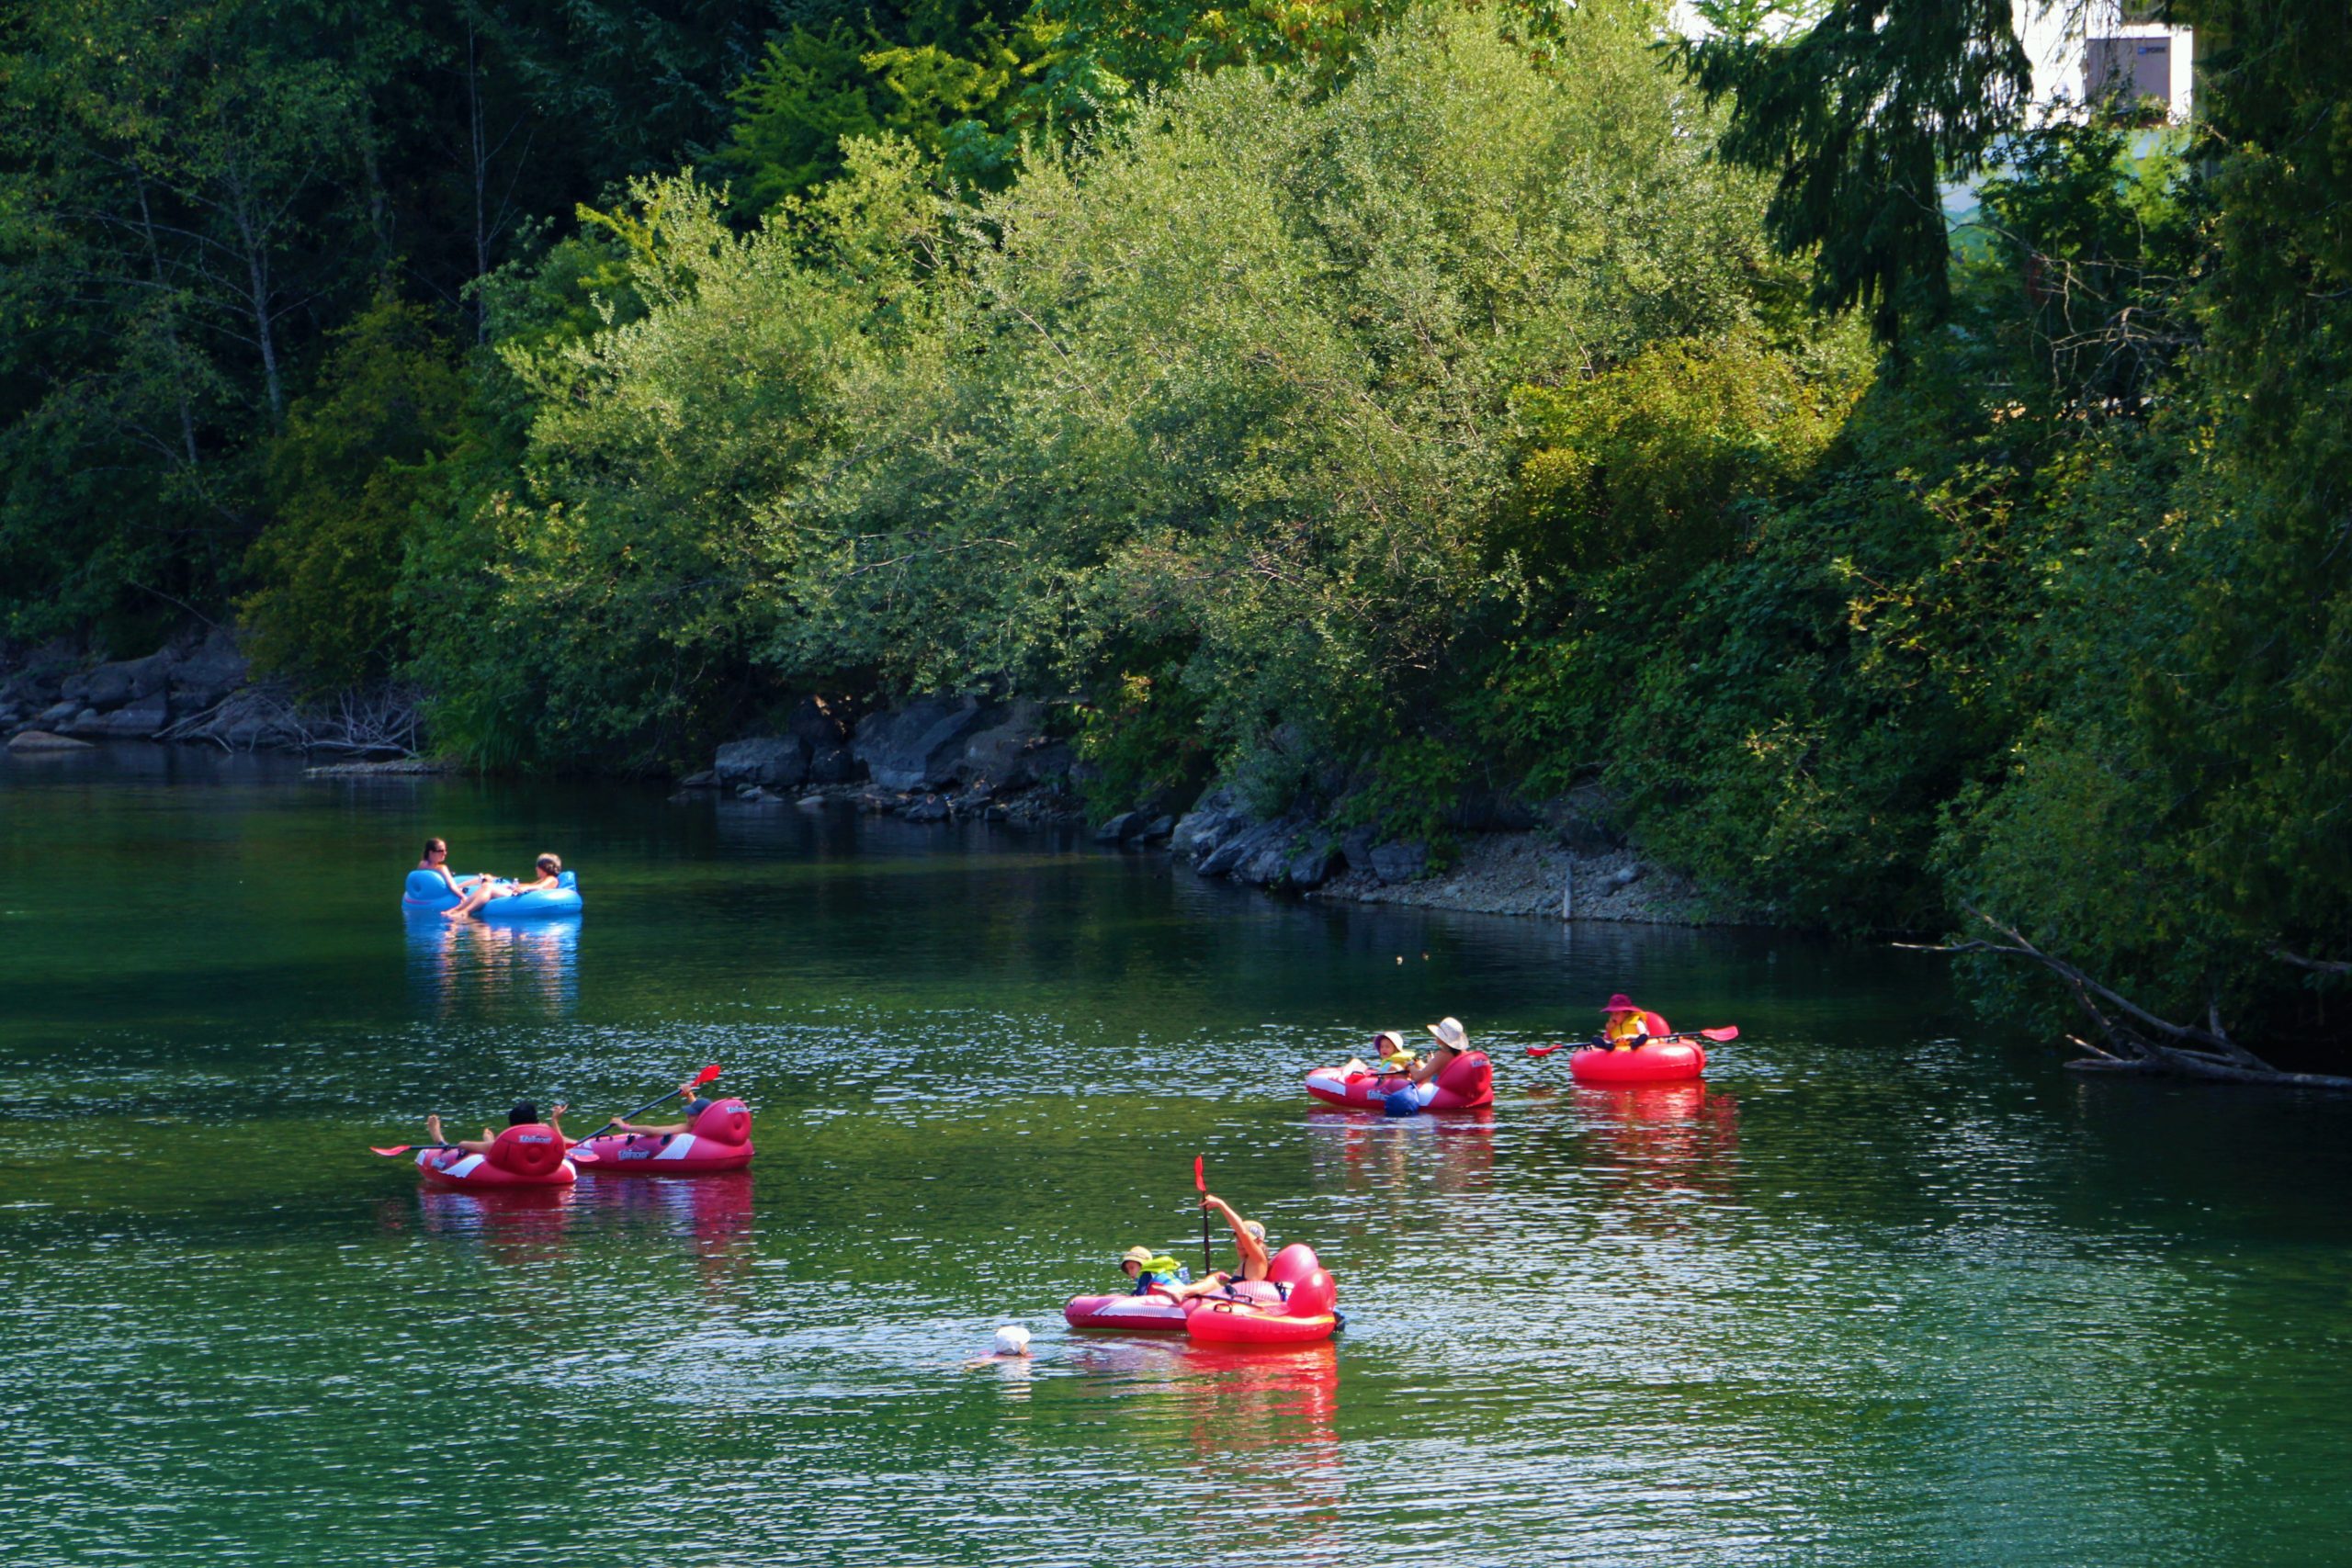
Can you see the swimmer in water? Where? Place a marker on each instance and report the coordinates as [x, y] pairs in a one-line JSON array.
[[1012, 1345]]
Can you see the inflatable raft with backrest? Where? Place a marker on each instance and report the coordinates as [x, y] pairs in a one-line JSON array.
[[1287, 1273], [426, 893], [1463, 1084], [531, 1155], [719, 1140], [1665, 1061]]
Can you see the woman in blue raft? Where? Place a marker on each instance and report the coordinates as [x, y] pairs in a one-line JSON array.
[[554, 891]]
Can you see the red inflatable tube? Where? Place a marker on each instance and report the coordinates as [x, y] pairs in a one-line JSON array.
[[529, 1156], [1464, 1084], [720, 1140], [1670, 1061], [1310, 1313], [1155, 1313]]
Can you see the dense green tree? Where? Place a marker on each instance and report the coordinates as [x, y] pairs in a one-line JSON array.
[[345, 478]]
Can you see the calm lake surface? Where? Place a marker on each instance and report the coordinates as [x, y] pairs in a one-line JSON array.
[[1890, 1290]]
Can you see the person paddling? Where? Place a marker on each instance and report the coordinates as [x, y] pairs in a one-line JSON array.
[[523, 1115], [1623, 1026], [695, 1105], [1248, 1240]]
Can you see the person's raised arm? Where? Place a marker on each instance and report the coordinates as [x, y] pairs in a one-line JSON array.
[[1251, 1247]]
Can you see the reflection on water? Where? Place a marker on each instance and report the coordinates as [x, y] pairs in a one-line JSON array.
[[463, 967], [1257, 1428], [1675, 1136], [1452, 1153], [516, 1227]]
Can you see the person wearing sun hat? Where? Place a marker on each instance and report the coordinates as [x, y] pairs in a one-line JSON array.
[[1623, 1025], [1453, 1041], [1153, 1273]]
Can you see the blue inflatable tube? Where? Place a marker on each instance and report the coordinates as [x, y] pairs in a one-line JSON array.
[[426, 893]]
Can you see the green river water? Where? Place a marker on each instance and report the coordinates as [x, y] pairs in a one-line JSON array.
[[1891, 1290]]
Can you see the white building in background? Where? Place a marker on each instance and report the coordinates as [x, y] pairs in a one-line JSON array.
[[2092, 52], [2083, 52]]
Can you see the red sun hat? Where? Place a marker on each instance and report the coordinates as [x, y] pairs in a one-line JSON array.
[[1621, 1002]]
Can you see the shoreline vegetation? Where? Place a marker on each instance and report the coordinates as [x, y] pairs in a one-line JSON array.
[[1414, 446]]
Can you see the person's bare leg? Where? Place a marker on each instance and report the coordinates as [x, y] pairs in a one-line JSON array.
[[433, 1129]]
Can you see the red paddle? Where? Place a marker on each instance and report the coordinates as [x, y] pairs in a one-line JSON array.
[[1201, 1184], [701, 1078], [1718, 1036]]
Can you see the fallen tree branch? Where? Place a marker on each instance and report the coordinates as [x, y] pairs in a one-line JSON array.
[[2316, 965], [2136, 1040]]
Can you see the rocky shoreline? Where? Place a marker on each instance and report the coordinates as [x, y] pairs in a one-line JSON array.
[[939, 760], [198, 688]]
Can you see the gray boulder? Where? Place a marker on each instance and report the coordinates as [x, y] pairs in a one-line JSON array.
[[1158, 830], [1266, 867], [206, 675], [781, 762], [42, 740], [834, 764], [1399, 861], [1120, 829], [1312, 867], [56, 714], [930, 808], [134, 720], [1230, 853], [113, 685], [816, 724], [922, 745], [1212, 817], [1007, 753]]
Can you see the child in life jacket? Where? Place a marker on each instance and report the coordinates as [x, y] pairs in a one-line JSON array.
[[1390, 1050], [1153, 1273]]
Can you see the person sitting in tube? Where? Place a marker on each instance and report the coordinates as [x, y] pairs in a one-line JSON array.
[[695, 1105], [1390, 1050], [1453, 1041], [551, 870], [1248, 1240], [1153, 1273], [523, 1115], [1623, 1026], [435, 860]]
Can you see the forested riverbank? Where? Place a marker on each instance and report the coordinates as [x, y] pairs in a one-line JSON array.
[[1408, 420]]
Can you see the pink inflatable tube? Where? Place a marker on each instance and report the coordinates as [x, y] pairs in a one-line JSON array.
[[1466, 1083], [1155, 1313], [1670, 1061], [1310, 1313], [720, 1140], [529, 1156]]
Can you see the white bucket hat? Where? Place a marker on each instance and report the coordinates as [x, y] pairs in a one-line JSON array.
[[1450, 1032]]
